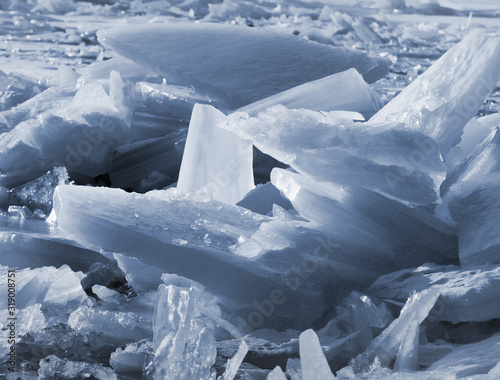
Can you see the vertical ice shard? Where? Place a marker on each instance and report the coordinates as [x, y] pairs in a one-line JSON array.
[[234, 363], [215, 160], [312, 358], [235, 65], [184, 344], [442, 100]]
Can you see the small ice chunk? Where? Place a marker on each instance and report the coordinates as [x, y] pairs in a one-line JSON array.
[[234, 363], [143, 278], [312, 358], [441, 101], [215, 160], [226, 70], [184, 344], [294, 369], [276, 374], [132, 359], [53, 367]]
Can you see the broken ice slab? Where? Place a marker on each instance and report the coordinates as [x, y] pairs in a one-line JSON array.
[[238, 65], [184, 342], [470, 359], [129, 70], [148, 164], [475, 206], [263, 198], [467, 295], [37, 250], [482, 161], [474, 132], [399, 341], [330, 147], [215, 160], [197, 240], [16, 89], [80, 135], [346, 91], [442, 100], [49, 286], [118, 327], [312, 359], [390, 231], [53, 367]]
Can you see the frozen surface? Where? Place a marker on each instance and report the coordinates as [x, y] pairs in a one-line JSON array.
[[226, 72], [337, 243]]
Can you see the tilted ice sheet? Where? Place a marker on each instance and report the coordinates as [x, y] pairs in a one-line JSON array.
[[382, 157], [388, 229], [442, 100], [466, 295], [235, 64]]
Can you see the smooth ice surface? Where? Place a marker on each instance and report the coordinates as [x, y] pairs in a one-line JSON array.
[[312, 359], [235, 64], [442, 100], [215, 160], [330, 147], [184, 346], [467, 295], [346, 91]]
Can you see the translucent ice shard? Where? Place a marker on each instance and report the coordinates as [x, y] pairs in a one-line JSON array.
[[399, 341], [276, 374], [132, 359], [352, 214], [312, 359], [215, 160], [467, 295], [442, 100], [326, 147], [225, 71], [471, 359], [234, 363], [184, 345]]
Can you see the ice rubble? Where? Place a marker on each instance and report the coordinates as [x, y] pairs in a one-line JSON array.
[[337, 228], [240, 65]]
